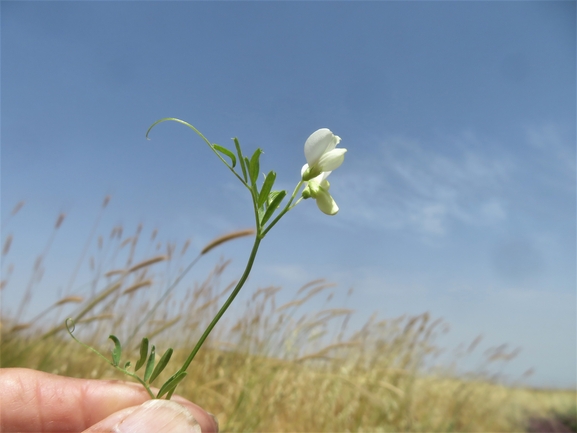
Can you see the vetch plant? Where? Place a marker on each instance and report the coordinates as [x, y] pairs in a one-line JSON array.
[[322, 157]]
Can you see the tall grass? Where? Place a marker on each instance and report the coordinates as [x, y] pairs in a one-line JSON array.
[[267, 366]]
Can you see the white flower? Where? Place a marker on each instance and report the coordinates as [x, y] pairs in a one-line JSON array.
[[321, 155], [318, 188]]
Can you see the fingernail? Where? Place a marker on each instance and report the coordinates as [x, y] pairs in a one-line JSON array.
[[158, 416], [215, 419]]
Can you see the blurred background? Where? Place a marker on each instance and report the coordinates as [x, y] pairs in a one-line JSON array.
[[457, 195]]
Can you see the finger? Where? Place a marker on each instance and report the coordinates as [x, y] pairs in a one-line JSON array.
[[33, 401], [152, 416]]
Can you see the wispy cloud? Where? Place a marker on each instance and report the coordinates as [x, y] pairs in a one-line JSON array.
[[429, 186], [553, 154], [425, 186]]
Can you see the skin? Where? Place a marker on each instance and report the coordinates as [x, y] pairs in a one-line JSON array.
[[33, 401]]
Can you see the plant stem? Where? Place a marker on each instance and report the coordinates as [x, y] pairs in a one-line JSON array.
[[226, 304]]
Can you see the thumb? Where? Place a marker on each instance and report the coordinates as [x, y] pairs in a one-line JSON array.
[[153, 416]]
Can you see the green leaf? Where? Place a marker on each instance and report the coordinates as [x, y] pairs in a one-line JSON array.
[[117, 351], [143, 354], [247, 164], [273, 205], [126, 364], [261, 211], [226, 152], [271, 197], [161, 365], [266, 187], [241, 159], [149, 365], [171, 383], [254, 166]]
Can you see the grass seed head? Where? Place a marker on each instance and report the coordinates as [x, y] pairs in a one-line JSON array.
[[225, 238], [147, 262], [137, 286], [69, 299], [59, 221], [7, 244], [17, 207]]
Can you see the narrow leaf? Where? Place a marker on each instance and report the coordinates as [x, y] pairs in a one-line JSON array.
[[273, 205], [126, 364], [149, 365], [143, 354], [241, 159], [171, 383], [226, 152], [161, 365], [117, 351], [271, 197], [247, 164], [266, 187], [254, 166]]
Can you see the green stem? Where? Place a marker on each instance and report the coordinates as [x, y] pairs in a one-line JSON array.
[[225, 306]]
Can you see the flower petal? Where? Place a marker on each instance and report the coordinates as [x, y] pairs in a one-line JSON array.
[[319, 142], [320, 179], [331, 160], [326, 203]]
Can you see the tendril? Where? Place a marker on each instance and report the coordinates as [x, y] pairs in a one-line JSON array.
[[70, 325]]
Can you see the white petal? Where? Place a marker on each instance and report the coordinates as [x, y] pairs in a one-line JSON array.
[[320, 179], [326, 203], [319, 142], [332, 160]]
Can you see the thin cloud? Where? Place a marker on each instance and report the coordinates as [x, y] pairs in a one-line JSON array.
[[554, 154], [426, 186]]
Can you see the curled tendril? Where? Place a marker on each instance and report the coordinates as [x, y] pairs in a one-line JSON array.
[[70, 325]]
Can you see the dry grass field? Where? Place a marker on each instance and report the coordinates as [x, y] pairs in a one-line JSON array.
[[267, 366]]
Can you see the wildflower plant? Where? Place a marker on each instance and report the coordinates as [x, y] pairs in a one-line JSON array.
[[322, 158]]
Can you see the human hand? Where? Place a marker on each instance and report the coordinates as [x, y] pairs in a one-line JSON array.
[[33, 401]]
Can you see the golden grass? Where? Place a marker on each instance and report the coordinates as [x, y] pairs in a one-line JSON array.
[[269, 368], [147, 262], [225, 238]]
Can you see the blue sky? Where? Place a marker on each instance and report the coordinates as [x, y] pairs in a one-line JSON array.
[[457, 195]]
